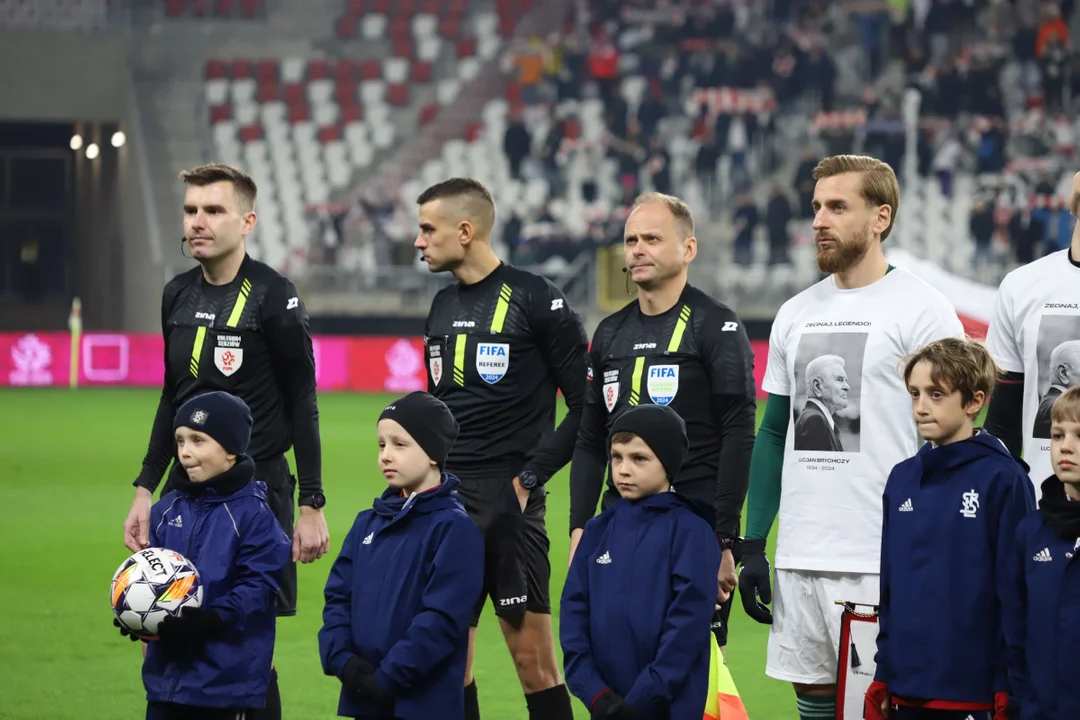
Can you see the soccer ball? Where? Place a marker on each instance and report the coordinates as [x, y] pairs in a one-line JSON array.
[[151, 585]]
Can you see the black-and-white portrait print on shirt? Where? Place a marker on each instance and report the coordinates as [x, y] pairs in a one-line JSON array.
[[1057, 354], [828, 385]]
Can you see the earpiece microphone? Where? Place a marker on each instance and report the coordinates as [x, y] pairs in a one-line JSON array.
[[625, 270]]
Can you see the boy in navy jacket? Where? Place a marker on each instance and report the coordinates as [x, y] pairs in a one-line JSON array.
[[213, 662], [950, 516], [1045, 574], [638, 602], [399, 596]]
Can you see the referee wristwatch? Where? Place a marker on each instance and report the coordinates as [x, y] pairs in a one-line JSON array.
[[315, 500], [728, 543], [528, 480]]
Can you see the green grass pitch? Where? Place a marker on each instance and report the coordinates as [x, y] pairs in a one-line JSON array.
[[68, 460]]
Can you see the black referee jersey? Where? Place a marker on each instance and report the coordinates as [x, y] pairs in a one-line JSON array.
[[250, 338], [694, 358], [497, 353]]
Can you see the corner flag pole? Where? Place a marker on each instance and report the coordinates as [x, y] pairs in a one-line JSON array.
[[75, 325]]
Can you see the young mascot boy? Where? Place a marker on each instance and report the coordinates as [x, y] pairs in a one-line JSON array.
[[1044, 626], [639, 598], [214, 661], [950, 518], [396, 620]]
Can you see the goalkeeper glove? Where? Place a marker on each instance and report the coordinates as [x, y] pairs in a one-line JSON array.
[[359, 678], [124, 632], [754, 581], [876, 704], [192, 629]]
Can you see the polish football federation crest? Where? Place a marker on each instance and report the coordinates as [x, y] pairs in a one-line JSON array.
[[228, 359], [611, 395], [663, 383], [435, 364], [492, 361]]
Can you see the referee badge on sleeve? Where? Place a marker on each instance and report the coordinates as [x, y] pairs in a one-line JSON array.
[[435, 362], [611, 395]]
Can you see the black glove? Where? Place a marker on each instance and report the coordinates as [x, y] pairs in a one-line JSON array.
[[359, 678], [754, 581], [124, 632], [610, 706], [192, 629]]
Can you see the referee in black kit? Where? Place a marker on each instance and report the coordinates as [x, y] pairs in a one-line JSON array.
[[673, 346], [237, 325], [500, 343]]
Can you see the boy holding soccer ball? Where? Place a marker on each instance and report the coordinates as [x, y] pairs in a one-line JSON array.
[[214, 661], [950, 519], [400, 593], [639, 599]]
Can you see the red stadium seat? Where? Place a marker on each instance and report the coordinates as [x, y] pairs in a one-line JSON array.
[[507, 23], [398, 94], [299, 113], [197, 8], [318, 69], [513, 93], [220, 113], [248, 133], [241, 69], [472, 131], [175, 8], [431, 7], [251, 8], [295, 94], [404, 8], [400, 28], [449, 27], [268, 92], [329, 133], [458, 8], [355, 8], [266, 71], [466, 47], [379, 7], [346, 27], [428, 113], [223, 8], [370, 70], [404, 47], [352, 113], [216, 69], [421, 71], [345, 94], [345, 71]]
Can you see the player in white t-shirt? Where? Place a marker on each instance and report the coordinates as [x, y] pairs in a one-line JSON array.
[[838, 418], [1034, 337]]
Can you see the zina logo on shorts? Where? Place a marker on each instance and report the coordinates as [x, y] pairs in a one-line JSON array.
[[492, 361], [663, 383]]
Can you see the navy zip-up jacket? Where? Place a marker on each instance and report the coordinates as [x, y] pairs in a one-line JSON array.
[[399, 595], [637, 606], [1045, 575], [226, 529], [950, 516]]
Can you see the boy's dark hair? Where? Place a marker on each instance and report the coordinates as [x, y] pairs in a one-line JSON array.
[[477, 203], [212, 173], [957, 365], [623, 437], [1067, 407]]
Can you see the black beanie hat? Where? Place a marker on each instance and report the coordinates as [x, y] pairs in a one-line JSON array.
[[662, 430], [427, 419], [222, 416]]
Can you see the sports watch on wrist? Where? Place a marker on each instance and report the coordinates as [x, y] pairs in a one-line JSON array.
[[727, 543], [315, 500], [528, 480]]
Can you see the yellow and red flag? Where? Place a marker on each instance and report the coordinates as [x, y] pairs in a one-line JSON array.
[[723, 702]]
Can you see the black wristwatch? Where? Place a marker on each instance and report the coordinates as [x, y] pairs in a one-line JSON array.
[[528, 480], [728, 543], [315, 500]]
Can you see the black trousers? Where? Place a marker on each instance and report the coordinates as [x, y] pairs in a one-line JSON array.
[[172, 711]]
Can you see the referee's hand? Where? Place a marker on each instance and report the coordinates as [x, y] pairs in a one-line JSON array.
[[311, 538], [137, 524]]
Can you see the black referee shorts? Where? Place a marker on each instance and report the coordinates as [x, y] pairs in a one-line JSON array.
[[517, 571], [281, 496]]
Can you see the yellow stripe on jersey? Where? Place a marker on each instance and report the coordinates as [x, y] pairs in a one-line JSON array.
[[459, 358], [680, 328], [501, 308], [196, 349], [635, 382], [241, 301]]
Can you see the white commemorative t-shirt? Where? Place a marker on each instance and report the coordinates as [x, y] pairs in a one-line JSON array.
[[836, 354], [1036, 331]]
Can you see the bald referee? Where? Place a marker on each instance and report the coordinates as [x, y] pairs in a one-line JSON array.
[[501, 342], [237, 325]]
